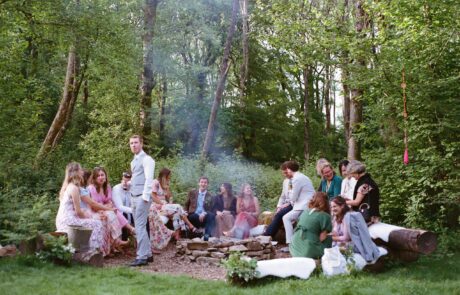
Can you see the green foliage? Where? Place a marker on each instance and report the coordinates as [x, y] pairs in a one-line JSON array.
[[24, 216], [240, 269], [56, 249]]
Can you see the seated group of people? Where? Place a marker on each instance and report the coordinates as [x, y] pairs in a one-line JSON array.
[[323, 217], [87, 199]]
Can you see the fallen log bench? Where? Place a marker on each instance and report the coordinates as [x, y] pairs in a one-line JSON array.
[[403, 244]]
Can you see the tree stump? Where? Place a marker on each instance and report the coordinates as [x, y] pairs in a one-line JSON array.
[[79, 237]]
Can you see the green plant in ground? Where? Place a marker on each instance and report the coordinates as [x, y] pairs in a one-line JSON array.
[[240, 269], [56, 249]]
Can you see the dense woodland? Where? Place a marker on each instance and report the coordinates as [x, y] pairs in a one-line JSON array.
[[231, 89]]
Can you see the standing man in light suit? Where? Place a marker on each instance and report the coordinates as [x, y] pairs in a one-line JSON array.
[[142, 169], [301, 192]]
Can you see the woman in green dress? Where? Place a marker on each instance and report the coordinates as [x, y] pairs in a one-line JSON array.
[[311, 234]]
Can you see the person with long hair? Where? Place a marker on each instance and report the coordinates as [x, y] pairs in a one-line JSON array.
[[340, 235], [311, 234], [70, 212], [162, 210], [101, 192], [247, 208], [225, 209]]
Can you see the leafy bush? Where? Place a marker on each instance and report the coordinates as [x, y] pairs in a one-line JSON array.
[[56, 250], [240, 269], [23, 216]]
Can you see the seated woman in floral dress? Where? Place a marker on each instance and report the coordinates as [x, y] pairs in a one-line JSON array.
[[247, 208], [162, 210], [101, 192], [224, 207], [70, 213]]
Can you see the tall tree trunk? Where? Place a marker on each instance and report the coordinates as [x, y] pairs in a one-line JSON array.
[[85, 92], [346, 104], [345, 76], [148, 82], [164, 91], [307, 79], [327, 100], [221, 82], [333, 102], [66, 106], [354, 151], [318, 96], [244, 65]]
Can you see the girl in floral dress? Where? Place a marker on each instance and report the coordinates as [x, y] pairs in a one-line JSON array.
[[70, 213], [162, 210]]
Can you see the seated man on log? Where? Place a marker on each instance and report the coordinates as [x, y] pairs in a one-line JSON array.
[[297, 192], [198, 207]]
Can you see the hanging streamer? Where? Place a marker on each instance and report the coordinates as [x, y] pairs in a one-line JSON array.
[[405, 115]]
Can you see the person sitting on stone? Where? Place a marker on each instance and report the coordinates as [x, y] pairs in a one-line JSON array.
[[224, 207], [248, 210], [199, 207]]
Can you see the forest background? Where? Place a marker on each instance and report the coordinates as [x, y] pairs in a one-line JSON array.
[[231, 89]]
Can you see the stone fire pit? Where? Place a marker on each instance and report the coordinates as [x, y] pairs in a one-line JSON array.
[[212, 251]]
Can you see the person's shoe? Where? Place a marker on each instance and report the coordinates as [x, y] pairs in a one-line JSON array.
[[139, 262], [150, 259], [285, 250]]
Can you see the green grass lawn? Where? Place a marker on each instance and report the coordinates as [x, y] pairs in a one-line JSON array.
[[430, 275]]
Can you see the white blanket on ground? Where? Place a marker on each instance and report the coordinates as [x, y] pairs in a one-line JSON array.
[[302, 267], [382, 230], [285, 267]]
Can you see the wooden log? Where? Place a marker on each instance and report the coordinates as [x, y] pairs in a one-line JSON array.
[[403, 255], [91, 257], [421, 241], [377, 267], [400, 238]]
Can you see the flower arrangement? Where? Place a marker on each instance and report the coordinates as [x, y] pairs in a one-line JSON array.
[[240, 269]]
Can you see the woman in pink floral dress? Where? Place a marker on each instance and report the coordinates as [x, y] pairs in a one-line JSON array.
[[70, 213], [101, 192], [247, 208]]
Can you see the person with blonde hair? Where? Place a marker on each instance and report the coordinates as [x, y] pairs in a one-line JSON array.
[[247, 208], [70, 212]]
